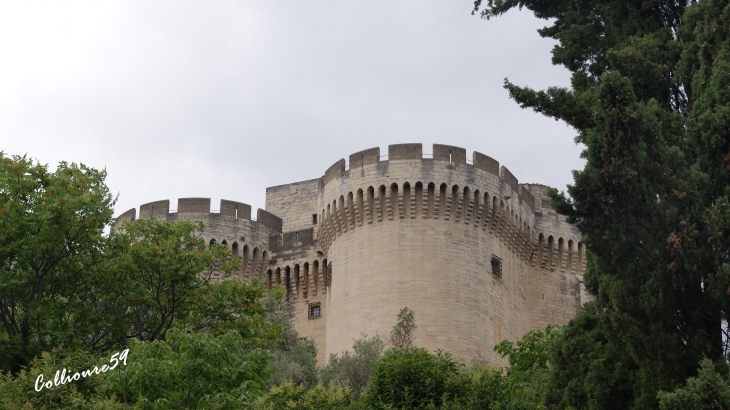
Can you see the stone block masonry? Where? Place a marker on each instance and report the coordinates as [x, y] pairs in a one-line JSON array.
[[478, 256]]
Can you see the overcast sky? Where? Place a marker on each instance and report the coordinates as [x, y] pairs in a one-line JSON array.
[[222, 99]]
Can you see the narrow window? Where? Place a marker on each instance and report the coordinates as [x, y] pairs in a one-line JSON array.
[[496, 266], [315, 310]]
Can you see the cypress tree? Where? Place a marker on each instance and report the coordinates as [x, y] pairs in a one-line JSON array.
[[650, 100]]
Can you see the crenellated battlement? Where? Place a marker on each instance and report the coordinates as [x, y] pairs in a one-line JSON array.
[[233, 209], [409, 185], [451, 157]]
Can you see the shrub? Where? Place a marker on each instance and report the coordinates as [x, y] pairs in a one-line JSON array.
[[410, 378], [353, 369], [294, 397]]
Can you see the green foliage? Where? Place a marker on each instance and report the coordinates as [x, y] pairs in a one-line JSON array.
[[401, 336], [410, 378], [18, 392], [64, 284], [706, 391], [587, 368], [353, 370], [157, 278], [650, 100], [295, 357], [603, 35], [186, 370], [529, 357], [51, 246], [192, 370], [295, 397], [483, 387]]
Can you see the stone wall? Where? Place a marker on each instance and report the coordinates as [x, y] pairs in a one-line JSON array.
[[295, 204], [558, 264]]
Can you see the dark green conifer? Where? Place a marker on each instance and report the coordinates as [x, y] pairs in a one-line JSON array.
[[650, 99]]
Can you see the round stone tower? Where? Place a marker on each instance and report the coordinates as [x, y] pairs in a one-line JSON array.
[[448, 239]]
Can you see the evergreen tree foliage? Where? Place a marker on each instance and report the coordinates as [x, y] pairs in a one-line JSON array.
[[708, 390], [650, 100]]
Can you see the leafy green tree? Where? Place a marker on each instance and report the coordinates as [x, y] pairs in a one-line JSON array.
[[225, 365], [353, 370], [64, 283], [649, 100], [51, 247], [708, 390], [529, 358], [156, 281], [401, 336]]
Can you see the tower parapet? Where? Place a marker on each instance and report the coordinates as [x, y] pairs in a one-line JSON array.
[[369, 190]]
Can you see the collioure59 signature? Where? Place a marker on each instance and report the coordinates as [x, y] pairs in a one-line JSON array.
[[62, 378]]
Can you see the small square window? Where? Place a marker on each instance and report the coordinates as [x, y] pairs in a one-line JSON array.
[[496, 266], [314, 219], [315, 310]]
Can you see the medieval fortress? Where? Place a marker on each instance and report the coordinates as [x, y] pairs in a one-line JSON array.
[[476, 255]]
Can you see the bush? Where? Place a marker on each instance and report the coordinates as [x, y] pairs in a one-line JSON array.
[[479, 386], [18, 392], [410, 378], [294, 397], [353, 369]]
